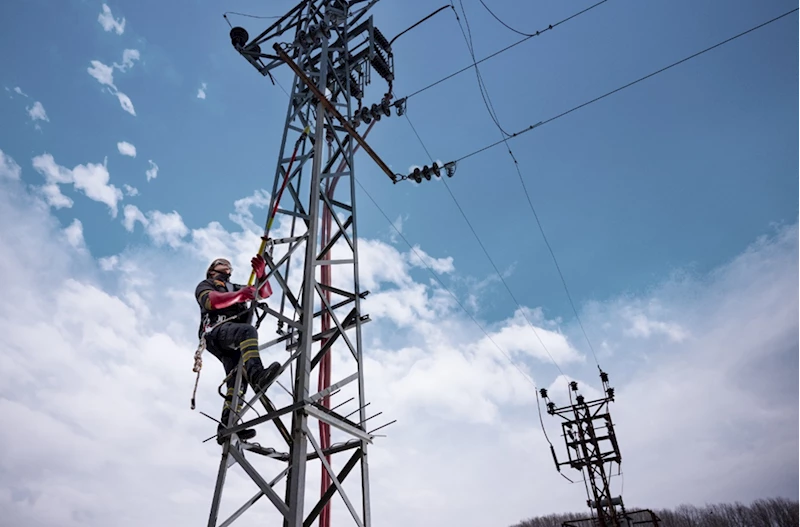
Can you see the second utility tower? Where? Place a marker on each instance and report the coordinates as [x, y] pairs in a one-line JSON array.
[[335, 52], [591, 445]]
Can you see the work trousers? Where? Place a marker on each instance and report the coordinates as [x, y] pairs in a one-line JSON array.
[[228, 342]]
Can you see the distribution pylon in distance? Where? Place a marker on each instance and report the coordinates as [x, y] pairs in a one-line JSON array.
[[592, 448], [310, 244]]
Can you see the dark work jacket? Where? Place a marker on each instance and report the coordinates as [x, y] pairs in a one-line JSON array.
[[239, 311]]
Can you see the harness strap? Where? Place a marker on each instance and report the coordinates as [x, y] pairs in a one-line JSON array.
[[198, 354]]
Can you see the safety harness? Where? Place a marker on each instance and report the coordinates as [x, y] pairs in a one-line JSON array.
[[208, 327]]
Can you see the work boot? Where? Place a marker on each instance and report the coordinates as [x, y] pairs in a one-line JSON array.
[[244, 435], [262, 378]]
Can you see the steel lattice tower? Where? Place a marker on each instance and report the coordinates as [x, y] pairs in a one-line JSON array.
[[333, 49], [591, 446]]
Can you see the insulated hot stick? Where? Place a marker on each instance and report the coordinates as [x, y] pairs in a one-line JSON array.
[[274, 210]]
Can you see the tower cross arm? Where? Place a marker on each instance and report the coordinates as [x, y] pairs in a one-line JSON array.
[[332, 109]]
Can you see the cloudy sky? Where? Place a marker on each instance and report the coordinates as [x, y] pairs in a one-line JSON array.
[[136, 146]]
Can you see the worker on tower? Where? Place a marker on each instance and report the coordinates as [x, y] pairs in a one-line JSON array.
[[229, 335]]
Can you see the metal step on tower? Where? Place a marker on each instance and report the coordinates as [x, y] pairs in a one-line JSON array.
[[335, 52]]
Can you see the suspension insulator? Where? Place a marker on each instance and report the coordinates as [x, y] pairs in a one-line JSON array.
[[416, 175], [386, 108], [300, 40], [375, 111], [381, 66], [381, 40], [366, 116], [239, 37], [436, 170], [355, 89], [254, 51]]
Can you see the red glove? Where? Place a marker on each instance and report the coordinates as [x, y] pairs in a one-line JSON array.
[[259, 266], [219, 300], [246, 293]]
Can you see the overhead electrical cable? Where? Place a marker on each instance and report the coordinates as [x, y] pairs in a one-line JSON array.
[[474, 320], [548, 28], [486, 252], [504, 134], [596, 99], [441, 283], [487, 102], [504, 24]]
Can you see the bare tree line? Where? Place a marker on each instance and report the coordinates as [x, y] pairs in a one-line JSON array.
[[772, 512]]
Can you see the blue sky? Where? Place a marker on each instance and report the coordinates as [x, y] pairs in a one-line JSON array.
[[681, 170], [656, 201]]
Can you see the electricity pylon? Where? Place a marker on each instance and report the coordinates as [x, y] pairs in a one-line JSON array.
[[591, 446], [333, 49]]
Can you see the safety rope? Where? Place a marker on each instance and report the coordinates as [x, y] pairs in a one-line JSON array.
[[198, 354]]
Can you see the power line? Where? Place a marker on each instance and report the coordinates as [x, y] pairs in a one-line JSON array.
[[226, 13], [548, 28], [542, 123], [504, 24], [504, 134], [436, 276], [487, 102], [483, 247], [438, 279]]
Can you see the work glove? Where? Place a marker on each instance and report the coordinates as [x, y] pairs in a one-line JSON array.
[[259, 266], [246, 293]]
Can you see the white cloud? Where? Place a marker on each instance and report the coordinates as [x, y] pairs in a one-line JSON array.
[[105, 76], [166, 228], [642, 326], [152, 172], [8, 167], [396, 229], [74, 234], [126, 103], [201, 92], [129, 190], [126, 149], [129, 56], [52, 194], [722, 400], [92, 179], [131, 214], [108, 21], [420, 258], [162, 228], [243, 215], [109, 263], [37, 112]]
